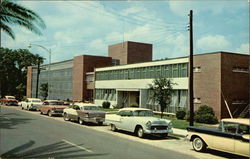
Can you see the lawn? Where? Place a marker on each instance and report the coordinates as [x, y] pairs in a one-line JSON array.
[[181, 124]]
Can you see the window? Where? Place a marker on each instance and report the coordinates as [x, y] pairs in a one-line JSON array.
[[240, 69], [230, 127], [175, 70], [243, 129], [197, 69], [197, 100]]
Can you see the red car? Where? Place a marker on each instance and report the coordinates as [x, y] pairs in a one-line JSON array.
[[9, 100]]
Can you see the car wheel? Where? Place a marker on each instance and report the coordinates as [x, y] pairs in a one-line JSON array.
[[140, 132], [198, 144], [113, 127], [41, 112], [22, 108], [50, 114], [81, 122], [65, 117]]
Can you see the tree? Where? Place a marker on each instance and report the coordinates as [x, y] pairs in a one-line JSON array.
[[13, 70], [44, 90], [13, 13], [162, 89]]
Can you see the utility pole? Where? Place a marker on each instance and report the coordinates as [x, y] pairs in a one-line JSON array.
[[191, 83], [37, 77]]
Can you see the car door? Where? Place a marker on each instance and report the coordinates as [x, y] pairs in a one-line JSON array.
[[127, 120], [242, 140], [224, 140], [72, 112]]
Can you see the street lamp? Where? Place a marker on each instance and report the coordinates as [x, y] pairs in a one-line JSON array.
[[49, 51]]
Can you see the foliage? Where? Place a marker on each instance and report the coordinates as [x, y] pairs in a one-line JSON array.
[[13, 13], [162, 89], [13, 70], [21, 88], [205, 114], [180, 114], [134, 105], [44, 90], [106, 104]]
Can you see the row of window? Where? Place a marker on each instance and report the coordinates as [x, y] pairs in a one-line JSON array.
[[105, 94], [166, 71]]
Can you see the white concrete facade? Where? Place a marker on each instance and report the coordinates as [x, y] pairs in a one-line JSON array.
[[134, 87]]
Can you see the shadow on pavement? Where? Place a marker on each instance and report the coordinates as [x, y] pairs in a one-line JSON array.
[[149, 137], [7, 121], [222, 154], [57, 150]]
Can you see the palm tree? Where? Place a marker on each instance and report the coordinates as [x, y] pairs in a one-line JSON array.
[[12, 13]]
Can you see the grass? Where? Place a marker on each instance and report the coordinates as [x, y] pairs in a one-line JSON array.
[[181, 124], [109, 110]]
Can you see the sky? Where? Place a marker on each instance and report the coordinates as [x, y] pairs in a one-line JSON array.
[[89, 27]]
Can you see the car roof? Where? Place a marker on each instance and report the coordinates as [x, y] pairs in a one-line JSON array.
[[10, 96], [133, 109], [33, 98], [237, 120]]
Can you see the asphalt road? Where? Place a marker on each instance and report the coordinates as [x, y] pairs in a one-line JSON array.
[[26, 135]]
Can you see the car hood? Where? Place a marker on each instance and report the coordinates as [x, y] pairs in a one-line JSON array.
[[154, 120]]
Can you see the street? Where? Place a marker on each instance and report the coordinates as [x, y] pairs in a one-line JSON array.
[[26, 134]]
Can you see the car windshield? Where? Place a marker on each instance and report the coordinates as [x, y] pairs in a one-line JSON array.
[[56, 103], [36, 100], [90, 108], [143, 113]]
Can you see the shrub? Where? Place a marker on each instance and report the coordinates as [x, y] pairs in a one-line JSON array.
[[106, 104], [205, 114], [134, 105], [187, 116], [180, 114]]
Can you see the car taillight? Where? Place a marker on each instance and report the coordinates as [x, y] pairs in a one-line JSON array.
[[87, 115]]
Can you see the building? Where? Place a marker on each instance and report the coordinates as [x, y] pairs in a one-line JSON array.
[[220, 79]]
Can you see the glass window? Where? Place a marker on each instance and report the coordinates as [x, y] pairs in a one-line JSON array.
[[243, 129], [175, 70], [230, 127]]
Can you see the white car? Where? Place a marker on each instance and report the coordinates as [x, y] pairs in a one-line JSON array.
[[31, 103], [140, 121]]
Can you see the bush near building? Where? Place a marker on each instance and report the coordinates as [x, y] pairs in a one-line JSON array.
[[134, 105], [205, 114], [106, 104], [180, 114]]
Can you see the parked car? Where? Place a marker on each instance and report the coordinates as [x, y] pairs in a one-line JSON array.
[[9, 100], [83, 112], [232, 135], [52, 107], [140, 121], [31, 103]]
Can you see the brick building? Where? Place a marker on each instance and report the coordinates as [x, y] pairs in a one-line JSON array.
[[123, 77]]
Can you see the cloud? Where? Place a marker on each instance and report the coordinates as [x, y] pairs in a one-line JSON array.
[[181, 8], [212, 43], [244, 49]]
